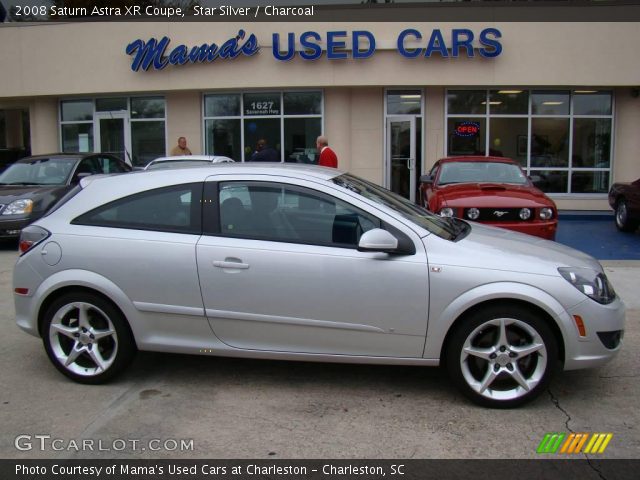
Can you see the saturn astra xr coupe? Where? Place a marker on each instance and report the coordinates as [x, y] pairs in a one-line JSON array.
[[490, 190], [305, 263]]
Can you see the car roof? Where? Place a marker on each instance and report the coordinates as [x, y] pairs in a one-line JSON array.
[[477, 158], [50, 156], [208, 158], [198, 174]]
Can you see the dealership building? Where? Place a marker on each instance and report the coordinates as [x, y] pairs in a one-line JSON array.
[[561, 97]]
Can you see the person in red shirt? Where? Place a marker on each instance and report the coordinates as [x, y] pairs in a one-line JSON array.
[[328, 157]]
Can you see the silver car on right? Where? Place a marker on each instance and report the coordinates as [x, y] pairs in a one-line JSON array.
[[307, 263]]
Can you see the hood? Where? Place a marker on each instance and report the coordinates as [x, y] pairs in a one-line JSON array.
[[499, 249], [492, 195], [43, 196]]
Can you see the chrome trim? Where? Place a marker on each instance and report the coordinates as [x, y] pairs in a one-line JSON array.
[[169, 309]]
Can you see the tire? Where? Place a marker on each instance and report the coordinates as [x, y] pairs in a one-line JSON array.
[[87, 338], [499, 373], [623, 221]]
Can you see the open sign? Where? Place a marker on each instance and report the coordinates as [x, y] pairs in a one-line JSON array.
[[467, 129]]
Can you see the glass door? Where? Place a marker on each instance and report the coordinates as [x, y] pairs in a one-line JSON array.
[[112, 134], [401, 156]]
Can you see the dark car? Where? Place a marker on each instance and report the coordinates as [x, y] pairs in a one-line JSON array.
[[32, 185], [625, 200], [490, 190]]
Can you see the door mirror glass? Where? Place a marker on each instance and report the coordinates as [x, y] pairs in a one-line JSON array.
[[377, 240], [426, 179]]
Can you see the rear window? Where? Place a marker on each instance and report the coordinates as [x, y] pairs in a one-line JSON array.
[[170, 209]]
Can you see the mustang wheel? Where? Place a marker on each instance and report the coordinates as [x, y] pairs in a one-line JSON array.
[[623, 222], [502, 356], [87, 338]]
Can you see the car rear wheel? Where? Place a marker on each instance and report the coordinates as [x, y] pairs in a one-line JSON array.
[[502, 356], [623, 221], [87, 338]]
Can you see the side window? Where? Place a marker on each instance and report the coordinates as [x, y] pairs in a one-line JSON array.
[[285, 213], [169, 209], [111, 165]]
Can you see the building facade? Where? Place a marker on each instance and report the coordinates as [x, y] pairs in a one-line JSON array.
[[392, 97]]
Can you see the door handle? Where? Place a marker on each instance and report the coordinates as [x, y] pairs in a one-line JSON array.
[[230, 264], [410, 163]]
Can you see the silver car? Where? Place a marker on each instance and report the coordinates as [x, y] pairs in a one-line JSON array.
[[186, 161], [305, 263]]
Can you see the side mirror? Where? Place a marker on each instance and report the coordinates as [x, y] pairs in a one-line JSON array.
[[426, 179], [377, 240], [80, 176]]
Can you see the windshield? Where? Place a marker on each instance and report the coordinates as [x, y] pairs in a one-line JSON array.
[[176, 164], [43, 171], [481, 172], [446, 228]]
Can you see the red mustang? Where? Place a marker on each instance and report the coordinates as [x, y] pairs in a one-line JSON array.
[[491, 190]]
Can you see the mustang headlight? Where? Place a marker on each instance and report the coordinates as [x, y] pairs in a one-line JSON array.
[[593, 284], [446, 212], [19, 207], [546, 213], [473, 213], [525, 213]]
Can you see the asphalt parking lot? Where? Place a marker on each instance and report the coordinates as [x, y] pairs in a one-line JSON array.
[[233, 408]]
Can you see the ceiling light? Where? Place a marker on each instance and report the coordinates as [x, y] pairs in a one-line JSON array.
[[506, 92], [492, 103], [410, 96], [585, 91], [552, 103]]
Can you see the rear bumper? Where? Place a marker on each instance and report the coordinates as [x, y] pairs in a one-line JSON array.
[[545, 230]]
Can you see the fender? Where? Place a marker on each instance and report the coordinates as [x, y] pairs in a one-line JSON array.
[[439, 326], [92, 281]]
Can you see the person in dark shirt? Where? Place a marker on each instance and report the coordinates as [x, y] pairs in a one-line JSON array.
[[264, 153]]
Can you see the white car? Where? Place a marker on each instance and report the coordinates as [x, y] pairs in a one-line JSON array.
[[295, 262], [186, 161]]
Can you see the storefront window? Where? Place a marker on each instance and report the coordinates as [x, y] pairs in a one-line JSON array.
[[77, 110], [223, 137], [467, 136], [561, 138], [147, 107], [508, 138], [467, 102], [302, 103], [77, 137], [222, 105], [289, 122], [550, 103], [147, 141], [503, 102], [111, 104], [404, 102], [133, 128], [591, 103], [300, 139]]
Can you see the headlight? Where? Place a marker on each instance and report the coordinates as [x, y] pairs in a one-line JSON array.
[[19, 207], [546, 213], [525, 213], [446, 212], [473, 213], [593, 284]]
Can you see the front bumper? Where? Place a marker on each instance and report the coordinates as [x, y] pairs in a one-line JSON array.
[[11, 228], [604, 326], [546, 230]]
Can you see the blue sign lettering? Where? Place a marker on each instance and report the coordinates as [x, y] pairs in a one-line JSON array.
[[156, 54], [153, 52]]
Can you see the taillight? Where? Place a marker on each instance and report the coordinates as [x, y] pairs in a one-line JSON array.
[[30, 237]]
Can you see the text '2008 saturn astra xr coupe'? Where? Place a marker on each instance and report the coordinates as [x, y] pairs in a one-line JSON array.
[[305, 263]]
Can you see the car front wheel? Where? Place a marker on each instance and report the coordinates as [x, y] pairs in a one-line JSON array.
[[87, 338], [502, 356], [623, 221]]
